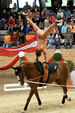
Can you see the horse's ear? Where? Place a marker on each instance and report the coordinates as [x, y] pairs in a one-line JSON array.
[[17, 68], [13, 68]]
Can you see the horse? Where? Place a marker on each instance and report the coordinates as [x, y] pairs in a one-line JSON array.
[[29, 70]]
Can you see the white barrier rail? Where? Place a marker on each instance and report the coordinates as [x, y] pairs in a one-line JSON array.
[[18, 87]]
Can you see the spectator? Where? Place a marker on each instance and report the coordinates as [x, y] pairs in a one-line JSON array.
[[15, 39], [70, 5], [15, 28], [50, 42], [60, 23], [64, 27], [30, 35], [4, 16], [15, 7], [22, 33], [18, 13], [59, 3], [7, 38], [19, 19], [26, 7], [57, 39], [52, 13], [1, 40], [12, 13], [34, 6], [29, 13], [4, 19], [44, 14], [52, 17], [54, 5], [11, 23], [60, 12], [72, 18], [36, 16], [68, 39], [67, 14], [28, 28]]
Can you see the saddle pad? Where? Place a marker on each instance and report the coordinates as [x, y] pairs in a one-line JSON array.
[[52, 67]]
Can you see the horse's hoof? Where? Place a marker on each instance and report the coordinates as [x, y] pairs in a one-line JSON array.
[[69, 99], [39, 107], [61, 105], [23, 111]]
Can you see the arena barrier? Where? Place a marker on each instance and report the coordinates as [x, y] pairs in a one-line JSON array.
[[18, 87]]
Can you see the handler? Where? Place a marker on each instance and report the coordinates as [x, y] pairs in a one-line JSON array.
[[41, 45]]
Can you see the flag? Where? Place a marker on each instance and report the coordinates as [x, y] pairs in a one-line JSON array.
[[28, 46]]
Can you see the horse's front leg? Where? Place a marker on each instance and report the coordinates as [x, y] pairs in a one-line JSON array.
[[28, 100], [38, 98]]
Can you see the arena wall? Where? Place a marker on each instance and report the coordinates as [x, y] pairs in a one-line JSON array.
[[68, 54]]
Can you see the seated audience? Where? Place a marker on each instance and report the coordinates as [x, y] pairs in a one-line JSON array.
[[67, 15], [44, 14], [22, 33], [57, 39], [19, 19], [60, 23], [28, 28], [26, 7], [36, 16], [34, 6], [64, 29], [15, 28], [11, 23], [68, 39], [30, 35], [4, 18], [15, 39], [52, 17], [7, 39], [29, 14], [50, 42], [60, 12]]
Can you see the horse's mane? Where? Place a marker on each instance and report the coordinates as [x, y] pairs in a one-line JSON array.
[[23, 62]]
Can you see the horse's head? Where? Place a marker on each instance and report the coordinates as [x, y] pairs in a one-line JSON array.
[[19, 74]]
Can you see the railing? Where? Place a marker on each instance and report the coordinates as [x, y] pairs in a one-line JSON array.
[[17, 39]]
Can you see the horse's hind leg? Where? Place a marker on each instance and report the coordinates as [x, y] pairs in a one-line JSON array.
[[65, 96], [37, 96]]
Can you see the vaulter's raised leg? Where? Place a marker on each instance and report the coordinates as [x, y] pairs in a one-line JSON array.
[[35, 27], [49, 30]]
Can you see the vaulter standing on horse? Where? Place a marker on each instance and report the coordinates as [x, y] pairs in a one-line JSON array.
[[41, 45]]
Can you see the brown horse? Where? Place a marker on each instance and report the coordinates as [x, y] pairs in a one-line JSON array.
[[29, 70]]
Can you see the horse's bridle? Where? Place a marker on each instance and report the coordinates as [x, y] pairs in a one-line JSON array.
[[16, 72]]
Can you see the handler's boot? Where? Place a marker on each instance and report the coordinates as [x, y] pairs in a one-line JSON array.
[[45, 72]]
